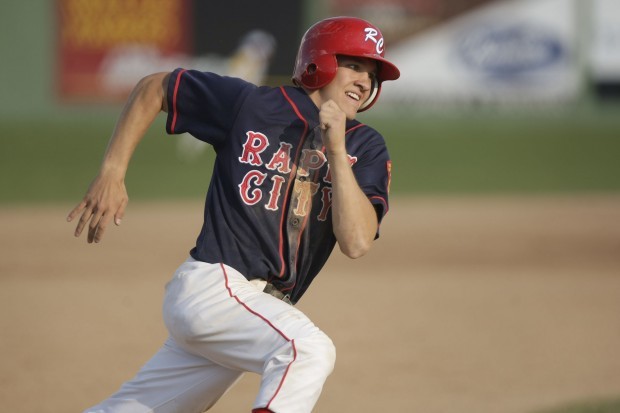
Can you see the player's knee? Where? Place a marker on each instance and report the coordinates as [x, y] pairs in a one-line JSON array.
[[329, 358], [321, 351]]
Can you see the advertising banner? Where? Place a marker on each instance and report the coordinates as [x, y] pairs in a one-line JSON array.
[[605, 36], [604, 56], [93, 34], [514, 51]]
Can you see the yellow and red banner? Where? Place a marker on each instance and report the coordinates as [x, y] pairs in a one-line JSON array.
[[104, 45]]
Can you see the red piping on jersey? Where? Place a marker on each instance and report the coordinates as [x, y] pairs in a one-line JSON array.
[[291, 176], [380, 198], [174, 100], [354, 127], [284, 336]]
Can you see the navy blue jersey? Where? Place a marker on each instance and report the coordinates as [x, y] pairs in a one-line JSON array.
[[267, 212]]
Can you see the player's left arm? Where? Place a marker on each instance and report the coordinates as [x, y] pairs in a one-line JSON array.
[[353, 216]]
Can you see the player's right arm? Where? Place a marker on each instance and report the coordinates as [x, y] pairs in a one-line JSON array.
[[106, 197]]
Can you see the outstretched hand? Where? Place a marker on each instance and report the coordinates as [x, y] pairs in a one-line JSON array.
[[105, 199]]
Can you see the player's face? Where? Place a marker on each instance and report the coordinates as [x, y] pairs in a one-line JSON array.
[[352, 84]]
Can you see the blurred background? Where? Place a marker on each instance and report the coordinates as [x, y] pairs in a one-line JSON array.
[[503, 237], [529, 89]]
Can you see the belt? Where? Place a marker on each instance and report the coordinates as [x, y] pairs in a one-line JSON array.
[[272, 290]]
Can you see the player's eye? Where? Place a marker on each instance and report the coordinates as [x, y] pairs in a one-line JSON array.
[[358, 67]]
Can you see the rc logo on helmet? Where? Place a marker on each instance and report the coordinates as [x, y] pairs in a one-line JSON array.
[[371, 34]]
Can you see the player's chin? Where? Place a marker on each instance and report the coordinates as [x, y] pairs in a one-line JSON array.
[[349, 107], [351, 112]]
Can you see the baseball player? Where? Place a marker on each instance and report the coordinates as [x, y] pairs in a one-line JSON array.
[[294, 174]]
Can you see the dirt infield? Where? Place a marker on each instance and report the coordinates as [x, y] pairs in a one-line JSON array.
[[486, 305]]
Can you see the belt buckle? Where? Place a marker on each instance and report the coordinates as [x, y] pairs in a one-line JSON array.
[[273, 291]]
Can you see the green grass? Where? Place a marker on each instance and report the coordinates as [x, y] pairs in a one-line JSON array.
[[482, 152], [593, 406], [475, 152], [54, 161]]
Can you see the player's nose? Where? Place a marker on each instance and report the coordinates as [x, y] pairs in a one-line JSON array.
[[364, 81]]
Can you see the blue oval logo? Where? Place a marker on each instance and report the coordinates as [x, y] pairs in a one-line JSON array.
[[509, 51]]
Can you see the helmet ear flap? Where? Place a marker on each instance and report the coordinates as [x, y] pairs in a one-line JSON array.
[[310, 73], [319, 71], [374, 94]]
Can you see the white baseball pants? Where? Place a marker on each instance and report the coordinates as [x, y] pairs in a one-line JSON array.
[[222, 325]]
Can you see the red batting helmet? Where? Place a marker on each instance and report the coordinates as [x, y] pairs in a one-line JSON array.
[[316, 62]]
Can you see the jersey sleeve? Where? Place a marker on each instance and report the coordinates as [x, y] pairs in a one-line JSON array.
[[204, 104], [373, 169]]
